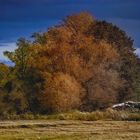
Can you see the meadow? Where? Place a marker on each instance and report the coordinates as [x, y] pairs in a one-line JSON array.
[[74, 125], [69, 130]]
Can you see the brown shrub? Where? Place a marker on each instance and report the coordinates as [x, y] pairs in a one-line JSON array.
[[62, 93]]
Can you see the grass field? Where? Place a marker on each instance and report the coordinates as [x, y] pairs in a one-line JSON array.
[[69, 130]]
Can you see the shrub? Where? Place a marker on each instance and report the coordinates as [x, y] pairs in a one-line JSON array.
[[62, 93]]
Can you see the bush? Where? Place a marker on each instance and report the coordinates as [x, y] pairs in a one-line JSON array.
[[62, 93]]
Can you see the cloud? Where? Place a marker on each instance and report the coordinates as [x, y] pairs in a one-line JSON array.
[[10, 46], [137, 51]]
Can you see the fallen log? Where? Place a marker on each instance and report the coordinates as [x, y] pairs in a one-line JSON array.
[[129, 105]]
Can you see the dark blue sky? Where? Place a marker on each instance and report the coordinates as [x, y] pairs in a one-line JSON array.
[[20, 18]]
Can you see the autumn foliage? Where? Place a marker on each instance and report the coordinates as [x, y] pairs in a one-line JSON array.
[[62, 92], [78, 64]]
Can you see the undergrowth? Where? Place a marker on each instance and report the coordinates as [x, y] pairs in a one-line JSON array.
[[108, 114]]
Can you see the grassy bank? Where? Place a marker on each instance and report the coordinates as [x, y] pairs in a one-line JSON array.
[[109, 114]]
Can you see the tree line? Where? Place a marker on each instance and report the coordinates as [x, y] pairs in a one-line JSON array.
[[81, 63]]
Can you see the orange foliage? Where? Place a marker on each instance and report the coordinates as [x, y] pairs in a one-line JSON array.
[[62, 93], [73, 53]]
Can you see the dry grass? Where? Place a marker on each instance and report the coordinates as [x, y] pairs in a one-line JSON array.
[[69, 130], [109, 114]]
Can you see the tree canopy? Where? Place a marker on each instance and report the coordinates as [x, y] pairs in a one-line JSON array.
[[81, 64]]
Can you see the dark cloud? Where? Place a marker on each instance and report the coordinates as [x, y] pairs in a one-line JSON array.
[[18, 10], [21, 17]]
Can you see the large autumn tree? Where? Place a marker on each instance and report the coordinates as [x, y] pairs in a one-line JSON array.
[[71, 50]]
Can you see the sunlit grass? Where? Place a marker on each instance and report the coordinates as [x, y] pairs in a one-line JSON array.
[[69, 130]]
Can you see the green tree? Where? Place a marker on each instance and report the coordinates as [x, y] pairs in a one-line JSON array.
[[20, 57]]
